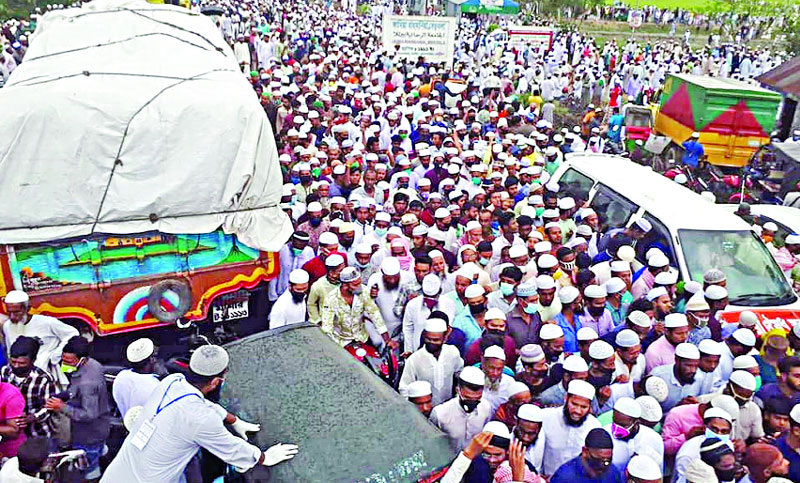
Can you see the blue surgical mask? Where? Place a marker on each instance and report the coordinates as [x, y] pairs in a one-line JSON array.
[[381, 231], [506, 289], [531, 309], [484, 261], [726, 438], [758, 383]]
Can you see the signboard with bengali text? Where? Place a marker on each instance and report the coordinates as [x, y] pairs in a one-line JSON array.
[[536, 37], [419, 36]]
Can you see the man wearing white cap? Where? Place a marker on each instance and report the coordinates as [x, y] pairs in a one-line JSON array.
[[680, 376], [320, 289], [132, 387], [739, 343], [643, 469], [632, 438], [292, 255], [595, 314], [315, 225], [420, 395], [662, 351], [317, 266], [549, 305], [384, 288], [346, 309], [435, 362], [497, 388], [177, 420], [718, 423], [748, 426], [290, 308], [464, 416], [574, 367], [565, 427], [419, 309], [528, 432], [52, 333], [656, 263], [472, 320], [629, 361]]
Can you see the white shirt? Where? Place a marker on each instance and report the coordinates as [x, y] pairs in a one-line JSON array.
[[634, 374], [422, 366], [415, 316], [535, 453], [646, 442], [386, 298], [459, 425], [285, 311], [53, 334], [500, 395], [689, 452], [562, 441], [182, 427], [10, 473], [131, 389]]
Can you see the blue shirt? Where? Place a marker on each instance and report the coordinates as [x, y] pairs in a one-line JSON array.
[[675, 390], [570, 332], [615, 127], [792, 455], [694, 151], [573, 472], [467, 323]]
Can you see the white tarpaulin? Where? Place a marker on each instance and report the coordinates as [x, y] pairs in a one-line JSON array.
[[156, 88]]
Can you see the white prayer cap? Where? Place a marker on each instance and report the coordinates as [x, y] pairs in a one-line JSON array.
[[620, 266], [575, 363], [686, 350], [314, 207], [349, 274], [495, 314], [139, 350], [473, 375], [744, 362], [594, 292], [566, 203], [209, 360], [441, 213], [668, 277], [328, 238], [747, 319], [547, 261], [651, 409], [298, 275], [727, 404], [517, 387], [693, 287], [550, 332], [744, 379], [131, 416], [494, 352], [770, 226], [795, 413], [436, 326], [531, 353], [419, 389], [581, 388], [474, 290], [626, 253], [658, 260], [626, 338], [696, 303], [657, 388], [364, 248], [744, 337], [640, 319], [715, 292], [792, 239], [383, 216], [712, 413], [568, 294], [390, 266], [517, 251], [16, 297], [586, 333], [419, 230], [710, 347], [643, 467], [497, 429], [614, 285], [628, 407], [542, 246], [600, 350], [334, 260], [431, 285], [545, 282], [673, 321], [473, 225], [655, 293], [700, 472], [530, 412]]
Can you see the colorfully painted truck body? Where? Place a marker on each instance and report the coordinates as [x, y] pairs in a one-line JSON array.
[[733, 118]]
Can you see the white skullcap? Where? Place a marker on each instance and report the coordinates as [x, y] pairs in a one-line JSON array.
[[575, 363], [714, 412], [473, 375], [314, 207], [473, 225], [16, 297], [517, 251], [494, 313], [747, 319], [586, 334], [628, 407], [727, 404], [594, 292], [770, 226], [696, 303], [614, 285], [139, 350], [209, 360], [657, 388], [545, 282], [131, 416], [474, 290], [792, 239], [547, 261], [364, 248], [715, 292], [668, 277], [626, 338], [383, 216], [568, 294], [441, 213], [494, 352], [693, 287], [497, 429], [334, 260], [626, 253], [673, 321], [550, 332], [580, 388], [644, 468], [328, 238], [744, 379], [655, 293], [651, 409], [419, 230], [298, 275], [640, 319], [431, 285], [517, 387], [686, 350], [744, 337], [566, 203], [600, 350], [390, 266], [710, 347], [795, 413], [699, 472], [658, 260], [435, 326], [530, 412], [419, 389]]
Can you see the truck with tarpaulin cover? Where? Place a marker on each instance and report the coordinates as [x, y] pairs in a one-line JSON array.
[[140, 177], [734, 119]]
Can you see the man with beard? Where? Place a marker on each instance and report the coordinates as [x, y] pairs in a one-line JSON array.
[[710, 353], [763, 462], [593, 464], [420, 395], [551, 337], [775, 418], [738, 344], [683, 387], [317, 266], [629, 361], [419, 309], [290, 308], [519, 394], [527, 431], [788, 385], [662, 351], [716, 453], [384, 288], [789, 443], [660, 304], [601, 367], [747, 428], [549, 306], [565, 427], [493, 334], [642, 469], [435, 363], [497, 388], [574, 367], [532, 369], [320, 289], [463, 417], [596, 315], [630, 437]]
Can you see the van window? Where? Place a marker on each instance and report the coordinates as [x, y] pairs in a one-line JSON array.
[[576, 184], [659, 238], [613, 209]]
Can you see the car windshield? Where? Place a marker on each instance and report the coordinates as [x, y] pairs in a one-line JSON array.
[[754, 278]]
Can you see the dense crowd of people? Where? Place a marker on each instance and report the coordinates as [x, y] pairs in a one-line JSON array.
[[547, 344]]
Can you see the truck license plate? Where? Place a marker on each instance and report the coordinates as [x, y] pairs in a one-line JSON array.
[[232, 311]]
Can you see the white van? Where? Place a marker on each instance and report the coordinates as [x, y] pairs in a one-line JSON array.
[[694, 233]]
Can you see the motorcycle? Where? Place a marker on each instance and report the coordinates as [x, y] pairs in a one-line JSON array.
[[64, 467], [384, 363]]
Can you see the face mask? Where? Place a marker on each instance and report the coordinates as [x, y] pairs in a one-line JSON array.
[[476, 181], [568, 266], [701, 321], [433, 348], [468, 405], [595, 311], [316, 221], [316, 172], [357, 290], [305, 179], [296, 251], [403, 136], [739, 399], [726, 475], [484, 261], [600, 381], [531, 308], [506, 289], [723, 437], [381, 231], [620, 432], [758, 383], [539, 212], [477, 309], [362, 266], [295, 179], [21, 371], [599, 466], [298, 297], [68, 369]]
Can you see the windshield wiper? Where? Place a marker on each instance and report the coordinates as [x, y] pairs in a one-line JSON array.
[[761, 299]]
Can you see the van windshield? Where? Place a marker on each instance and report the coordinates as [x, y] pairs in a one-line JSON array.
[[754, 278]]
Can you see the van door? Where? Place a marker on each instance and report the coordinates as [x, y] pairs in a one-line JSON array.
[[576, 184], [613, 209]]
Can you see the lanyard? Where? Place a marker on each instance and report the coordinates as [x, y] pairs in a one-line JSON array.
[[161, 408]]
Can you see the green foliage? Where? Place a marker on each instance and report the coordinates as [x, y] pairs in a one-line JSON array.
[[363, 9], [492, 28]]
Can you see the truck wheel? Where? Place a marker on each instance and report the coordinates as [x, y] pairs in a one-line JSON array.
[[157, 292]]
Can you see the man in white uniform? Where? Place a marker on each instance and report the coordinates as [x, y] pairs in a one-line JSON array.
[[464, 416], [435, 362], [290, 308], [132, 387]]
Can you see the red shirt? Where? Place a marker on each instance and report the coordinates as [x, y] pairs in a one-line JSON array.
[[474, 353]]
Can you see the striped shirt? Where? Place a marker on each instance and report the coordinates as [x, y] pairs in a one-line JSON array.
[[37, 387]]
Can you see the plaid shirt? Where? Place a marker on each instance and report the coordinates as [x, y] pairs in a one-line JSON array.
[[37, 388]]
